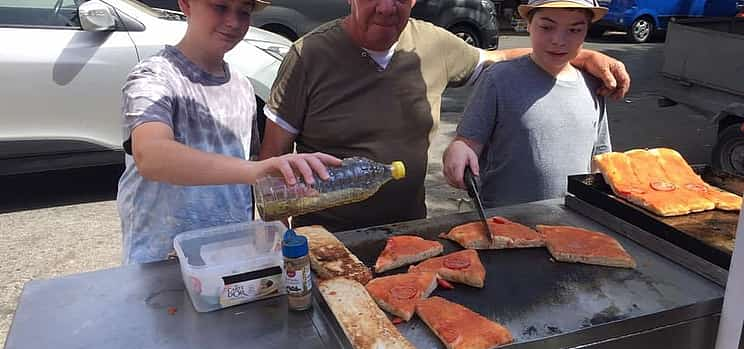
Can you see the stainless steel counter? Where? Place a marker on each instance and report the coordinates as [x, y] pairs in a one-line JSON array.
[[128, 307]]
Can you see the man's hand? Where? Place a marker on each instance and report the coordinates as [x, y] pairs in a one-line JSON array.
[[458, 155], [614, 76]]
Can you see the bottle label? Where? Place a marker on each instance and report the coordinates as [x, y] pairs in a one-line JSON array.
[[245, 291], [298, 281]]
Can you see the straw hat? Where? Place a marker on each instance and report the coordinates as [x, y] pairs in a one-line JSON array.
[[261, 4], [598, 11]]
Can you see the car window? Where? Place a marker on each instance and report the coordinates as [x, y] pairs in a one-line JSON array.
[[39, 13], [143, 7]]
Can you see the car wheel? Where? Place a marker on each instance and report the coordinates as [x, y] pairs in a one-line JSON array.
[[641, 30], [728, 153], [467, 34]]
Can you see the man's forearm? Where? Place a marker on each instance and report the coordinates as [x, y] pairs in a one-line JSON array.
[[276, 141], [582, 57], [512, 53], [503, 55]]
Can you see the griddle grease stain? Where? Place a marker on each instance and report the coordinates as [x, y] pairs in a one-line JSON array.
[[611, 313]]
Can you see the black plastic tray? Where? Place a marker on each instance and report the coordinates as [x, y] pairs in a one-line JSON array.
[[709, 234]]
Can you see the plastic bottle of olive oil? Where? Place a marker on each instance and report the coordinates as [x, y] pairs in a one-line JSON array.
[[355, 180]]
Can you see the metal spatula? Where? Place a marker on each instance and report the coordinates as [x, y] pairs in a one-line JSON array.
[[472, 184]]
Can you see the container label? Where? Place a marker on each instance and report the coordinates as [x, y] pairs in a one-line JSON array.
[[299, 281], [250, 290]]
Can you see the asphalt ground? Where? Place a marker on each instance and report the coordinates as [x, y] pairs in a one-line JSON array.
[[60, 223]]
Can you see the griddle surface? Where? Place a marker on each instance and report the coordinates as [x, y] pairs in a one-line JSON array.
[[537, 298]]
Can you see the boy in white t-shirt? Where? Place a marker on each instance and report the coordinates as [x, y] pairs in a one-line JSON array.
[[187, 119]]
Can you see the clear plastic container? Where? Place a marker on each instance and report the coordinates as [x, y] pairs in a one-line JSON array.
[[355, 180], [232, 264]]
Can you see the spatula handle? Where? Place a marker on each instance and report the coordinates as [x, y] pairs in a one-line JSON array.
[[471, 181]]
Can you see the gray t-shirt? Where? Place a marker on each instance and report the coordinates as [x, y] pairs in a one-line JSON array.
[[536, 131], [206, 112]]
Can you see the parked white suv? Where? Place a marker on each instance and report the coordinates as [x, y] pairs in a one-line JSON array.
[[62, 66]]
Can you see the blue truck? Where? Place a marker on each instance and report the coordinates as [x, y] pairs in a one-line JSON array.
[[641, 19]]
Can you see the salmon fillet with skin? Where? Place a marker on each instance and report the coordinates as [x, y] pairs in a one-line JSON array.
[[617, 170], [665, 197], [680, 172], [406, 249], [463, 267], [459, 327], [578, 245], [505, 233], [618, 173], [661, 181], [398, 294]]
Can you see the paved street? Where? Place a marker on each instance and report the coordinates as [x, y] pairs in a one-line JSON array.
[[66, 222]]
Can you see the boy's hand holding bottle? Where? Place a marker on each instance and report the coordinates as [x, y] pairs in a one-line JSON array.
[[289, 165]]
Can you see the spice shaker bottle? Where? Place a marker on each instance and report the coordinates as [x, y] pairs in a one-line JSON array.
[[297, 270]]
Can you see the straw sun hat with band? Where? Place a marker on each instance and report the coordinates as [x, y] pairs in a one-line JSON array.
[[597, 11], [260, 4]]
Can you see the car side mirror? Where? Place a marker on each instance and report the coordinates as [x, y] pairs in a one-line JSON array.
[[96, 16]]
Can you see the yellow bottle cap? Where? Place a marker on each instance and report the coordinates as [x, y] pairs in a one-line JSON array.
[[398, 169]]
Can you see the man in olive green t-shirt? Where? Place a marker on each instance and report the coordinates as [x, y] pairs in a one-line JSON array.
[[371, 85]]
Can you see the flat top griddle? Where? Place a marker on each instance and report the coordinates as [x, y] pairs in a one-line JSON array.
[[709, 234], [551, 303]]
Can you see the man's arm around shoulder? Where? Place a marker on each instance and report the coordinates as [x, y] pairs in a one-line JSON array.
[[614, 76]]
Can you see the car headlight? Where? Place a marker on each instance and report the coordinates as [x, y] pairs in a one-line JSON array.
[[276, 50]]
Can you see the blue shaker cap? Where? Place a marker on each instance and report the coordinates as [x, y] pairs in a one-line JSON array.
[[293, 245]]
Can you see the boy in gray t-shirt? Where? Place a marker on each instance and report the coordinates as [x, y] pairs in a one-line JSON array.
[[535, 120]]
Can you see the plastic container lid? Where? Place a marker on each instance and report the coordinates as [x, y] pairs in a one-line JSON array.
[[293, 245], [241, 245]]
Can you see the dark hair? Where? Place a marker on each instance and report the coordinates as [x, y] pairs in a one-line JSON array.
[[588, 12]]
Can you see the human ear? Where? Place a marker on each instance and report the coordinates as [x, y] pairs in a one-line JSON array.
[[185, 7]]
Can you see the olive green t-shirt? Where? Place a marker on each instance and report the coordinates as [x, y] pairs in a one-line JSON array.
[[337, 100]]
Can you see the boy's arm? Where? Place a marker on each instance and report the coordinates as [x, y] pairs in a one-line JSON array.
[[473, 131], [614, 76], [160, 158]]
